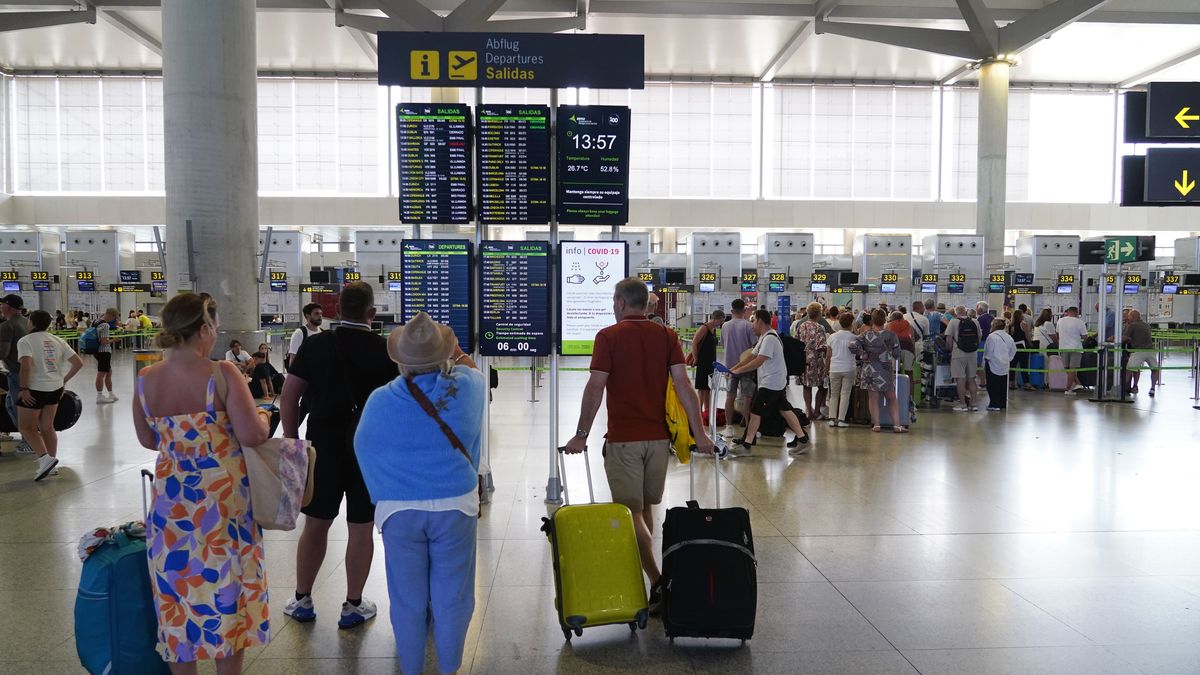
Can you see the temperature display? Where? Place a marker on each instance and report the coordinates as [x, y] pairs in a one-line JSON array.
[[593, 164]]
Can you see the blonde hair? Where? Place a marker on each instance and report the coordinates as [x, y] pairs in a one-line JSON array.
[[184, 316], [814, 310]]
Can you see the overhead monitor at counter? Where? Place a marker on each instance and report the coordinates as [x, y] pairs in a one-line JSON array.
[[12, 287], [707, 287], [887, 288], [1170, 289], [395, 286], [928, 287], [1065, 289], [955, 287], [819, 287]]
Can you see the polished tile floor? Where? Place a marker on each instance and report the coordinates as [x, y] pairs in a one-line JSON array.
[[1059, 537]]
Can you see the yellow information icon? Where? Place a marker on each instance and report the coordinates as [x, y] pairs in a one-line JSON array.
[[464, 65], [424, 65]]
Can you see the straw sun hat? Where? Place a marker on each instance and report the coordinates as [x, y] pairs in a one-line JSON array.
[[421, 343]]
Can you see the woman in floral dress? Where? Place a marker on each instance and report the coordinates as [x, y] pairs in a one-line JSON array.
[[816, 360], [205, 551], [880, 350]]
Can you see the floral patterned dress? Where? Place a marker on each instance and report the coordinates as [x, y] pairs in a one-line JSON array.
[[879, 351], [816, 356], [204, 548]]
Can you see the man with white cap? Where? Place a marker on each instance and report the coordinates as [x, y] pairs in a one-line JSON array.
[[425, 488]]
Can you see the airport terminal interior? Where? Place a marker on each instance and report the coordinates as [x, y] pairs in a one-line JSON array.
[[502, 164]]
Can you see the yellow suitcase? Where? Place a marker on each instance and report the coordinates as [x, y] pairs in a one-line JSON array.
[[597, 570]]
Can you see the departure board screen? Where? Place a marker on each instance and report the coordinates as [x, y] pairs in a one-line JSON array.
[[593, 164], [434, 145], [514, 298], [437, 281], [514, 164]]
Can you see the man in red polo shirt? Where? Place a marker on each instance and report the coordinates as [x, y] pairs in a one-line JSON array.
[[631, 360]]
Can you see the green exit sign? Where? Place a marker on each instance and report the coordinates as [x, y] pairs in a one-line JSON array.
[[1120, 250]]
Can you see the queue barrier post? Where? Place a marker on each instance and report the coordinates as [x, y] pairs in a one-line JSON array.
[[144, 358]]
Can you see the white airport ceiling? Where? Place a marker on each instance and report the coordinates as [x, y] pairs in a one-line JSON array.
[[701, 39]]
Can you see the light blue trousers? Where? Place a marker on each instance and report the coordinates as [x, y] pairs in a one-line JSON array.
[[431, 578]]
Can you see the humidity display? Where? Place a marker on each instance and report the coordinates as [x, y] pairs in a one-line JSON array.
[[437, 281], [434, 146], [514, 298], [593, 164], [514, 164]]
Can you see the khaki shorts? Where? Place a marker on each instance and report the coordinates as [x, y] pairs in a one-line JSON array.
[[637, 472], [1137, 359], [1072, 360], [906, 361], [963, 367]]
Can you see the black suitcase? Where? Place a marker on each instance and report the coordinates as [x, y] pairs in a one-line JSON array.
[[710, 575], [774, 426], [69, 410]]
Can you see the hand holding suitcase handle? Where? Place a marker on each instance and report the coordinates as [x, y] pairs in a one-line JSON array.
[[562, 474]]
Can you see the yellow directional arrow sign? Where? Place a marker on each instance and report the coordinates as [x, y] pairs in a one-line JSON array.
[[1183, 118], [1186, 186]]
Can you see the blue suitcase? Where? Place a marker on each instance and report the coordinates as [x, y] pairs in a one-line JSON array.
[[1037, 362], [902, 397], [116, 622]]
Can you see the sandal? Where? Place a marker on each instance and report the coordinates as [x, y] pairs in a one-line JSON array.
[[876, 429], [899, 430]]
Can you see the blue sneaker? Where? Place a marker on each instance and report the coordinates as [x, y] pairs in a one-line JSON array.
[[355, 616], [301, 610]]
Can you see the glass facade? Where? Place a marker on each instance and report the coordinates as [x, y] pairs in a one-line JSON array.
[[689, 140]]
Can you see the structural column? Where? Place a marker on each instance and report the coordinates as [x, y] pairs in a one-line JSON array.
[[991, 194], [209, 104]]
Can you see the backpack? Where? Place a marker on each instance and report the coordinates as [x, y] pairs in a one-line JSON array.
[[682, 441], [967, 339], [89, 342], [794, 355], [287, 358], [116, 621]]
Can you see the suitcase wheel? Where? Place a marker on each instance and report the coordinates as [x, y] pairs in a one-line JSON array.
[[633, 627], [567, 633], [578, 632]]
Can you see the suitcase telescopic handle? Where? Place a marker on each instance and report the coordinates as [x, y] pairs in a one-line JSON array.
[[147, 477], [562, 475], [717, 381]]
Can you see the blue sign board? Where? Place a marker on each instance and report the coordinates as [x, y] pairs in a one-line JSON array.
[[537, 60], [785, 313]]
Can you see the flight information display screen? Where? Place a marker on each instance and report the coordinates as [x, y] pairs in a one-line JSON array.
[[514, 164], [437, 281], [593, 164], [514, 298], [434, 146]]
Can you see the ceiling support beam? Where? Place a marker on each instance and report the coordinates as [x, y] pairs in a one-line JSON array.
[[551, 25], [1162, 67], [360, 38], [958, 74], [410, 13], [797, 40], [1025, 32], [132, 30], [10, 21], [955, 43], [824, 8], [981, 25], [471, 15]]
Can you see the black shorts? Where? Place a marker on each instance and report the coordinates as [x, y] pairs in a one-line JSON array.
[[41, 399], [336, 474], [703, 372], [767, 400], [103, 362]]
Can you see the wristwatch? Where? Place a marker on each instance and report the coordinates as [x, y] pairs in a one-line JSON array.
[[581, 433]]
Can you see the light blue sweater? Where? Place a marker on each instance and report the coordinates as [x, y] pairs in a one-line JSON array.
[[403, 454]]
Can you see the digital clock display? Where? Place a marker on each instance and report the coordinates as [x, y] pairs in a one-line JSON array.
[[131, 276], [593, 165]]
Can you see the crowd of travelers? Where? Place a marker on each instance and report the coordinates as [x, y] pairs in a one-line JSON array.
[[347, 387]]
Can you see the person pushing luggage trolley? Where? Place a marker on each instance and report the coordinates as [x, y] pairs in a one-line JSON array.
[[632, 360]]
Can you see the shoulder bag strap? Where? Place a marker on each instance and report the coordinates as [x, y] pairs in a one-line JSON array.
[[427, 405]]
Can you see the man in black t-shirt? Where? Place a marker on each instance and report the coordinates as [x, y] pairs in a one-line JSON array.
[[336, 371], [265, 381]]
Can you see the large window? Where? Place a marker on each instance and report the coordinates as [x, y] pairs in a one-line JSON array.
[[690, 140]]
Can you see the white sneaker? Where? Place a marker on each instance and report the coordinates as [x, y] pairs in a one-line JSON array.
[[5, 437], [112, 398], [53, 472], [45, 464], [301, 610], [100, 398], [1078, 387], [728, 430], [1070, 392], [962, 408], [354, 616], [843, 425]]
